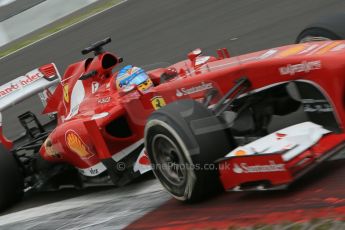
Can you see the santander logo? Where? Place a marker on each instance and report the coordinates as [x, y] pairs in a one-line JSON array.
[[194, 89], [19, 83], [270, 167]]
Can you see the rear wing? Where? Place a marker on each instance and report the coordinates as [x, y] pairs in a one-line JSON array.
[[42, 81], [28, 85]]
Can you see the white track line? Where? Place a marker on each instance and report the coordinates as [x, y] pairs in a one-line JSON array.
[[119, 195], [50, 35]]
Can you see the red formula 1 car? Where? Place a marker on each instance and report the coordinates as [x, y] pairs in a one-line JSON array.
[[96, 133], [265, 119]]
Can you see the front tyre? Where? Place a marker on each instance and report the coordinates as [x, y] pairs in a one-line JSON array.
[[11, 179], [325, 28], [182, 159], [316, 35]]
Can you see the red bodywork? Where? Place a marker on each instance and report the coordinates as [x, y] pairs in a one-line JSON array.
[[85, 138]]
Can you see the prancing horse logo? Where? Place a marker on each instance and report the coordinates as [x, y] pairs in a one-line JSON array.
[[158, 102]]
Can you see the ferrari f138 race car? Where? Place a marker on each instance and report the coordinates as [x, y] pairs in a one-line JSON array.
[[95, 136], [96, 132]]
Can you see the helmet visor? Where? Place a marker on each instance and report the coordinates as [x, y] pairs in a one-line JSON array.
[[140, 78]]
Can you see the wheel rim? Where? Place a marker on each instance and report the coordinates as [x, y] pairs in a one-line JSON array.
[[169, 160], [313, 39]]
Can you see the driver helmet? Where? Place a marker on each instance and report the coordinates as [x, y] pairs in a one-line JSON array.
[[131, 75]]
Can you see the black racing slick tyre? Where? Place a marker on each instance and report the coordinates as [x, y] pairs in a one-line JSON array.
[[316, 34], [183, 140], [11, 179], [325, 28]]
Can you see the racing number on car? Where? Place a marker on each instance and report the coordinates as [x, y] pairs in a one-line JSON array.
[[158, 102]]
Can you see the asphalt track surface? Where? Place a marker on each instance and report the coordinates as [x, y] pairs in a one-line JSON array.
[[152, 31]]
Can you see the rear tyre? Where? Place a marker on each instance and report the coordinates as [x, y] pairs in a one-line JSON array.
[[11, 179], [183, 159]]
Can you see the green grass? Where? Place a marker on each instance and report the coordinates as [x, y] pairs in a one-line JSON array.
[[57, 27]]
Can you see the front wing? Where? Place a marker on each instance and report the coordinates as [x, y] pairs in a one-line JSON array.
[[271, 171]]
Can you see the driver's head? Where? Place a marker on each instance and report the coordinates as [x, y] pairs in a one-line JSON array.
[[131, 75]]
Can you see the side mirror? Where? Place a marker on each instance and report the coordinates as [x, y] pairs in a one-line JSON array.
[[193, 55]]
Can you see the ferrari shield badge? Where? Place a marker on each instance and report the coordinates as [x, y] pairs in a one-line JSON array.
[[158, 102], [65, 93]]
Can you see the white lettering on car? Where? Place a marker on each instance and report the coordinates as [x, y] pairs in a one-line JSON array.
[[195, 89], [104, 100], [304, 67], [316, 105], [271, 167], [19, 83]]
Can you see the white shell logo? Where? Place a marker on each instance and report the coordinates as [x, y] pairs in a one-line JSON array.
[[237, 169]]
